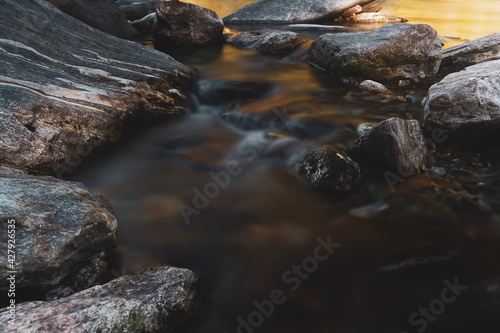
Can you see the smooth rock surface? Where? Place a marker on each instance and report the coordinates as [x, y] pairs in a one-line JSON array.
[[373, 86], [268, 41], [466, 105], [145, 24], [389, 54], [180, 24], [60, 226], [297, 11], [329, 169], [66, 89], [155, 300], [471, 53], [104, 15], [137, 9], [395, 144]]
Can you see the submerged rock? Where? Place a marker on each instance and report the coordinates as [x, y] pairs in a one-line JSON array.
[[373, 86], [186, 25], [394, 144], [268, 41], [466, 105], [389, 54], [68, 89], [154, 300], [329, 169], [137, 9], [104, 15], [60, 227], [297, 11], [477, 51]]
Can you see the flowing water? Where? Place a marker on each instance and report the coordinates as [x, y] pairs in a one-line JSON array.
[[249, 227]]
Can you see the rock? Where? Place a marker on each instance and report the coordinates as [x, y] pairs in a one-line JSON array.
[[374, 18], [182, 24], [145, 24], [466, 105], [268, 41], [59, 227], [461, 56], [373, 86], [395, 144], [296, 11], [327, 168], [156, 299], [222, 92], [137, 9], [352, 11], [68, 89], [104, 15], [389, 54]]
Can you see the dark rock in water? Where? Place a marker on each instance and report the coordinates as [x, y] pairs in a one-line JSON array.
[[472, 53], [394, 144], [226, 92], [374, 18], [327, 168], [389, 54], [63, 94], [182, 24], [104, 15], [137, 9], [156, 299], [60, 226], [268, 41], [145, 24], [466, 105], [297, 11]]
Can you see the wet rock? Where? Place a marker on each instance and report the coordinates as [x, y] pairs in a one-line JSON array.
[[225, 92], [145, 24], [389, 54], [156, 299], [352, 11], [63, 94], [104, 15], [268, 41], [477, 51], [60, 226], [466, 105], [327, 168], [137, 9], [374, 18], [186, 25], [394, 144], [373, 86], [297, 11]]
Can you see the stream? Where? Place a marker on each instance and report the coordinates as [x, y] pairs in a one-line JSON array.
[[253, 233]]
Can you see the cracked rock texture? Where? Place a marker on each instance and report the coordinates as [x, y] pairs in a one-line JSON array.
[[154, 300], [268, 41]]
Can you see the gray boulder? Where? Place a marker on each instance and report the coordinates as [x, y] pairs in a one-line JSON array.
[[471, 53], [154, 300], [60, 227], [180, 24], [395, 144], [68, 89], [389, 54], [104, 15], [466, 105], [268, 41], [137, 9], [329, 169], [297, 11]]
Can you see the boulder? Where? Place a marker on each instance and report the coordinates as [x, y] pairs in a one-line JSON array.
[[471, 53], [156, 299], [329, 169], [297, 11], [395, 144], [180, 24], [466, 105], [104, 15], [68, 89], [268, 41], [60, 227], [137, 9], [389, 54]]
